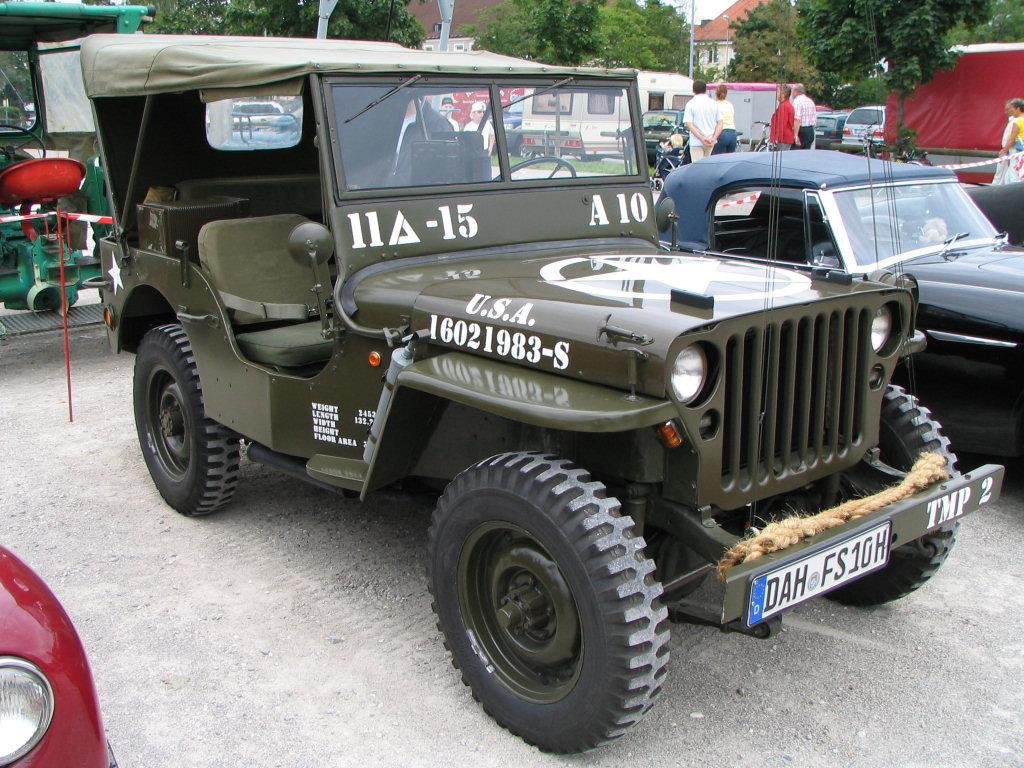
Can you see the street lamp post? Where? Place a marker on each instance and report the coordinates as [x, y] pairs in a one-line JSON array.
[[693, 18], [725, 76]]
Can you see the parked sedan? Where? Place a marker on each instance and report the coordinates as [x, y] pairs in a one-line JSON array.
[[836, 215], [865, 124], [49, 714], [828, 131]]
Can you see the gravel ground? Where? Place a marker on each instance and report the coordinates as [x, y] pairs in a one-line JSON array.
[[294, 628]]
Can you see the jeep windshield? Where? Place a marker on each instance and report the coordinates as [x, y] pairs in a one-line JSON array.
[[889, 224], [427, 133]]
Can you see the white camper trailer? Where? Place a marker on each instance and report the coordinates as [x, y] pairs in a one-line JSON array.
[[663, 90], [566, 121]]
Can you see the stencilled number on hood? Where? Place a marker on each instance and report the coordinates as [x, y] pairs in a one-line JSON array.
[[454, 223], [502, 342], [635, 209]]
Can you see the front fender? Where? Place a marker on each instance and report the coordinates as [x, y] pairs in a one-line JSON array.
[[498, 393], [533, 397]]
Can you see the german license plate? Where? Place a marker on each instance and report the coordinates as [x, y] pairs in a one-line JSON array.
[[775, 591]]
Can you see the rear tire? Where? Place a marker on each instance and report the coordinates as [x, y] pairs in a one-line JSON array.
[[547, 601], [192, 459], [907, 429]]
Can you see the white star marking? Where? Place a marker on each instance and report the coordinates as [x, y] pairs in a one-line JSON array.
[[115, 277], [632, 277]]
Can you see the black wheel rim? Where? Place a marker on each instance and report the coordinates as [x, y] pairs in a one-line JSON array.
[[520, 612], [167, 424]]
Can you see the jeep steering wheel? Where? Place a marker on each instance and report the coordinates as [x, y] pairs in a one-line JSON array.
[[24, 132], [559, 162]]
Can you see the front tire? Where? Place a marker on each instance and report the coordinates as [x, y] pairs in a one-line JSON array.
[[907, 430], [192, 459], [547, 601]]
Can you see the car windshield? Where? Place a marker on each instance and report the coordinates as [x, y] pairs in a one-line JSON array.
[[659, 121], [890, 223], [414, 133], [865, 117]]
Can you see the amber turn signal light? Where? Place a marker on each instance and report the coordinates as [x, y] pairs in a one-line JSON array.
[[669, 435]]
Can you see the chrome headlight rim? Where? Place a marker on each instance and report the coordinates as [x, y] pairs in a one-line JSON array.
[[882, 325], [12, 668], [689, 374]]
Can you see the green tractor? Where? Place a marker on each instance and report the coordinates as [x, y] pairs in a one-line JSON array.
[[48, 150]]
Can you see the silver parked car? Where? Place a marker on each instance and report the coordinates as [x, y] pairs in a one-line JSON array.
[[864, 124]]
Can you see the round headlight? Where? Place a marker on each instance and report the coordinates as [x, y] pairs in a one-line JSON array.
[[26, 707], [881, 327], [688, 373]]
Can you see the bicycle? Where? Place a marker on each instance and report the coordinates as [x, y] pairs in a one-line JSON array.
[[904, 150], [762, 144]]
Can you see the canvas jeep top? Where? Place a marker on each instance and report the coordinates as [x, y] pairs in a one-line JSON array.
[[363, 284]]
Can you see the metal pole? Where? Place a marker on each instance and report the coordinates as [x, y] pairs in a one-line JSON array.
[[447, 8], [727, 20], [326, 9], [693, 18]]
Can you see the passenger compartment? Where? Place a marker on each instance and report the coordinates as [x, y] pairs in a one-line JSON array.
[[267, 195]]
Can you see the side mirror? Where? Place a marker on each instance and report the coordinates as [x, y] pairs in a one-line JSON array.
[[311, 243], [665, 216]]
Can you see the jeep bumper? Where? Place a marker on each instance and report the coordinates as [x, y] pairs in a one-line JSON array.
[[764, 588]]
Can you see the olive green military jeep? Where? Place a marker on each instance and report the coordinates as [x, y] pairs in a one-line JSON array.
[[326, 259]]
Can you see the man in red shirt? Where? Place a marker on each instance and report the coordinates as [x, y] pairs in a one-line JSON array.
[[782, 134]]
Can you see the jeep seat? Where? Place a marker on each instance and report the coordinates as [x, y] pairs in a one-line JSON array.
[[259, 282], [290, 347]]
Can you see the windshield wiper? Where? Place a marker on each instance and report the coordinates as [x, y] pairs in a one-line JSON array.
[[392, 92], [551, 87]]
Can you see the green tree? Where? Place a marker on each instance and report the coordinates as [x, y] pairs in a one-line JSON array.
[[352, 19], [555, 31], [650, 36], [902, 44], [502, 28], [671, 34], [189, 17], [565, 31], [1005, 25], [766, 48]]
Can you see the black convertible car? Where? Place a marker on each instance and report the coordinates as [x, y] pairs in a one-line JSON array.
[[836, 215]]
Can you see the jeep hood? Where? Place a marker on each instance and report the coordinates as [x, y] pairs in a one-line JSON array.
[[577, 314]]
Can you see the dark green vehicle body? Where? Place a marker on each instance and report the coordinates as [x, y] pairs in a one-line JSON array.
[[478, 315]]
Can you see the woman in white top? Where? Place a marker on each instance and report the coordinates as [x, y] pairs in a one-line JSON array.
[[727, 139]]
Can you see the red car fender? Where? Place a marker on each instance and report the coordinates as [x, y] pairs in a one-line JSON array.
[[34, 627]]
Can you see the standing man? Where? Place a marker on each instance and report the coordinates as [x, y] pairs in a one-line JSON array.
[[782, 133], [806, 117], [703, 119]]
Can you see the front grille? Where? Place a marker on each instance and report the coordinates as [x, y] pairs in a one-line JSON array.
[[795, 396]]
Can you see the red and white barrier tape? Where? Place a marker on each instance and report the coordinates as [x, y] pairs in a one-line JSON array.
[[86, 217], [7, 219], [1016, 156], [748, 199]]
